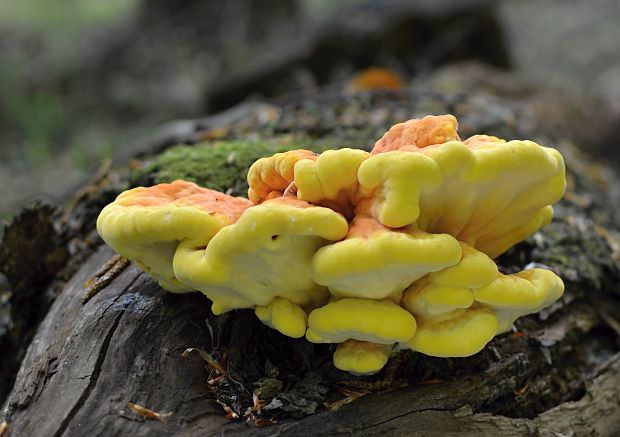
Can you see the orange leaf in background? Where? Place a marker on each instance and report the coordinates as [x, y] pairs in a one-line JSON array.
[[374, 78]]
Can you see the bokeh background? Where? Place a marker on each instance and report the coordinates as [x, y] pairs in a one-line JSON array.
[[85, 81]]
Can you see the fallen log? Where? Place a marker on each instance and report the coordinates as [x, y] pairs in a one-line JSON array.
[[119, 365]]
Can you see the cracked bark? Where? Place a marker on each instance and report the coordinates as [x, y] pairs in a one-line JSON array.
[[109, 352]]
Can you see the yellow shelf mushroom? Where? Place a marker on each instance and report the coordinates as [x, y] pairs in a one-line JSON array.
[[489, 194], [266, 254], [283, 315], [461, 308], [366, 250], [328, 179], [376, 321], [146, 224], [361, 357], [331, 179], [269, 177], [427, 299], [474, 270], [376, 262], [514, 296], [418, 133], [461, 333]]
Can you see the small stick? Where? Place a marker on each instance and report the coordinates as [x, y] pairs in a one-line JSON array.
[[106, 274], [230, 413], [350, 397], [208, 358], [259, 423], [612, 323], [258, 404], [146, 413]]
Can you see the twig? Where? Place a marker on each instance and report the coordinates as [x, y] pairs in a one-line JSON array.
[[230, 413], [208, 358], [611, 322], [147, 413], [350, 397], [106, 274]]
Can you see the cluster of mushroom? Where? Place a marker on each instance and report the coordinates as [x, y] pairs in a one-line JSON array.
[[373, 251]]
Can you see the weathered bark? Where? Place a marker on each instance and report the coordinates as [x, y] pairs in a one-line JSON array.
[[125, 345], [557, 373]]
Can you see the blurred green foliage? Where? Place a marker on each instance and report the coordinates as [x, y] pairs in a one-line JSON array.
[[61, 18], [37, 118], [39, 36]]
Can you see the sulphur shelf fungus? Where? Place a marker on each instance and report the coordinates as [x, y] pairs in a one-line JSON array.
[[265, 254], [146, 225], [374, 251]]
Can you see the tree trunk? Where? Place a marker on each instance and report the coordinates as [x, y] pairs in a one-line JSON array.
[[557, 372]]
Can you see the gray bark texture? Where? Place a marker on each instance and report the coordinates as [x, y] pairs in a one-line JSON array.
[[557, 373]]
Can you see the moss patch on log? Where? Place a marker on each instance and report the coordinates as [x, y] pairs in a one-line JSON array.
[[220, 165]]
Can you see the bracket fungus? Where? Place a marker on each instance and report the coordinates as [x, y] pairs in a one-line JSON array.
[[373, 251], [283, 315], [361, 357], [146, 224], [418, 133], [329, 179], [270, 176], [376, 262], [377, 321], [489, 194], [264, 255]]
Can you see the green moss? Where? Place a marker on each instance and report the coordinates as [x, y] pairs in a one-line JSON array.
[[221, 165]]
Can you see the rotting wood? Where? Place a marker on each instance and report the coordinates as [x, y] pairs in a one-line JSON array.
[[88, 362]]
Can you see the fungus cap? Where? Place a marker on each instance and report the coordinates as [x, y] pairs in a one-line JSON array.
[[526, 292], [376, 321], [427, 299], [283, 315], [361, 357], [494, 193], [391, 184], [418, 133], [375, 262], [146, 224], [331, 179], [461, 333], [484, 191], [264, 255], [269, 177], [474, 270]]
